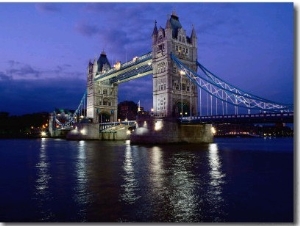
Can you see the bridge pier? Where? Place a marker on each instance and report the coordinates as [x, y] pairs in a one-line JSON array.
[[93, 131], [84, 131], [151, 130]]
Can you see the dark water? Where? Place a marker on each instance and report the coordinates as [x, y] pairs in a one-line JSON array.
[[231, 180]]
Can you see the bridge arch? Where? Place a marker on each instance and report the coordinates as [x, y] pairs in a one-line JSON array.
[[181, 109], [104, 116]]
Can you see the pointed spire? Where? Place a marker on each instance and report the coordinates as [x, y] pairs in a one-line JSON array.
[[155, 29], [193, 35], [168, 24], [103, 53]]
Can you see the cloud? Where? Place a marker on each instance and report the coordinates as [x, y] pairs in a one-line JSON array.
[[4, 77], [40, 95], [47, 7], [12, 63], [35, 90], [23, 71], [86, 29], [100, 7]]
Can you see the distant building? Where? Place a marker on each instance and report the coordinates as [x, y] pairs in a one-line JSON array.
[[127, 110]]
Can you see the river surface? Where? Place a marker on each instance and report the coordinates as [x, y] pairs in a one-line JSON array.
[[230, 180]]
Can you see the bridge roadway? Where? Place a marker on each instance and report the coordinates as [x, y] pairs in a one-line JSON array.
[[286, 117]]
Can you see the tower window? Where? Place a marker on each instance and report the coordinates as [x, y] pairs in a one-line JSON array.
[[174, 69]]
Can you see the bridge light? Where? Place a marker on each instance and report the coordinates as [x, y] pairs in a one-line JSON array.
[[43, 133], [182, 72], [213, 130], [83, 131], [158, 125]]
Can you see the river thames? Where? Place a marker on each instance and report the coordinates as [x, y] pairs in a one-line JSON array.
[[230, 180]]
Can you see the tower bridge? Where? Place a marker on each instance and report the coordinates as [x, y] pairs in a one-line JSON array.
[[178, 88]]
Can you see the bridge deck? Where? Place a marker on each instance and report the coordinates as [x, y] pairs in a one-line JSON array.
[[287, 117]]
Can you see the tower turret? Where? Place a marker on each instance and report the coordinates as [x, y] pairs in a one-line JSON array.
[[95, 67], [154, 34], [194, 37], [103, 63]]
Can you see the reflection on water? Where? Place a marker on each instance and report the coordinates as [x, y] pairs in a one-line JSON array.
[[109, 182], [174, 185], [183, 197], [42, 191], [216, 182], [156, 168], [131, 184], [81, 193]]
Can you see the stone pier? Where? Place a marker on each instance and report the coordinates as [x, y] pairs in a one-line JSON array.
[[90, 131], [161, 131]]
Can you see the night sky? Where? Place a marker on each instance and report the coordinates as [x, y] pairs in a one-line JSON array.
[[45, 48]]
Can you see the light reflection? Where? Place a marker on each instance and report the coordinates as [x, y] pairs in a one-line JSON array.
[[156, 167], [131, 184], [42, 192], [216, 181], [183, 198], [81, 169], [81, 195]]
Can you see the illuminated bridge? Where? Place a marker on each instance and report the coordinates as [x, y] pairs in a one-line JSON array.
[[183, 88]]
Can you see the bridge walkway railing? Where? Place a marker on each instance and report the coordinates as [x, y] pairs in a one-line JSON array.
[[108, 125], [262, 117]]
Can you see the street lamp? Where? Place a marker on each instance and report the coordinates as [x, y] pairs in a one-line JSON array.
[[181, 75]]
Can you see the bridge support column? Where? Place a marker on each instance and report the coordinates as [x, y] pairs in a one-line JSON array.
[[198, 133], [167, 130]]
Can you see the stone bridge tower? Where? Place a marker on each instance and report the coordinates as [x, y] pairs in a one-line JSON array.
[[102, 97], [173, 93]]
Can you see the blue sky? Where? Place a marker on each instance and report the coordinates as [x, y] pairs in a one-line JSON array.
[[45, 48]]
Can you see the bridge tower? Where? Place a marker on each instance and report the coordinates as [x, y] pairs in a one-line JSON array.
[[102, 97], [173, 93]]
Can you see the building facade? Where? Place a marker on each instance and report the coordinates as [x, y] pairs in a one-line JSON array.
[[174, 95], [102, 97]]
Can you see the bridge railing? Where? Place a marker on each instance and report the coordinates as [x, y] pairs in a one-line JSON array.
[[107, 125], [240, 117]]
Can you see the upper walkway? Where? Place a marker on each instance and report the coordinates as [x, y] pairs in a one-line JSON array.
[[137, 67]]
